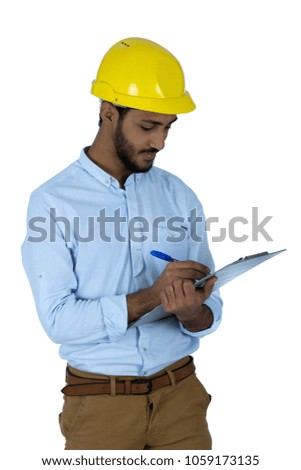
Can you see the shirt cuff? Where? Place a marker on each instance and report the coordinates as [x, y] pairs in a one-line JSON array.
[[115, 314]]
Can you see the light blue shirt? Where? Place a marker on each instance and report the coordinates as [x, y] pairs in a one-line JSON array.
[[88, 245]]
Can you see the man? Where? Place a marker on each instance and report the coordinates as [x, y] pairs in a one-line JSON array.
[[127, 321]]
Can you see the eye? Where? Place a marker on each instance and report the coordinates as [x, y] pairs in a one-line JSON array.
[[146, 128]]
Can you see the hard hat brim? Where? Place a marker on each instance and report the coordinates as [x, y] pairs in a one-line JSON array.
[[177, 105]]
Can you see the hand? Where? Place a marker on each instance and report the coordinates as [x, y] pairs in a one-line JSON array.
[[183, 300], [177, 271], [139, 303]]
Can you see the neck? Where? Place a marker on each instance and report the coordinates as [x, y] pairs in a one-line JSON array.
[[102, 152]]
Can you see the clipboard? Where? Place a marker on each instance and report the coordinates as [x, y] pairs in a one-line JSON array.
[[235, 269], [225, 275]]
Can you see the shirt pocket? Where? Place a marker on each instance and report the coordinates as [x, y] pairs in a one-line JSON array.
[[172, 238]]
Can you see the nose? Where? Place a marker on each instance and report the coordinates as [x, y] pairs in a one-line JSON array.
[[157, 140]]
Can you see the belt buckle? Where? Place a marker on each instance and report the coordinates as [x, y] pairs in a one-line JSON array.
[[144, 381]]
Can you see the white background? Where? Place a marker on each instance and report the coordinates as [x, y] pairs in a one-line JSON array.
[[238, 150]]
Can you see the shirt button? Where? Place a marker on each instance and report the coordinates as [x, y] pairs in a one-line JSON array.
[[144, 349]]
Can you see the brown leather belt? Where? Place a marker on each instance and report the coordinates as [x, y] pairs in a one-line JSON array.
[[85, 386]]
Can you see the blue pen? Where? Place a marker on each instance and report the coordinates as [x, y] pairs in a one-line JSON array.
[[164, 256]]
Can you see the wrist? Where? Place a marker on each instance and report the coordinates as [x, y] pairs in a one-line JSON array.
[[142, 302], [201, 321]]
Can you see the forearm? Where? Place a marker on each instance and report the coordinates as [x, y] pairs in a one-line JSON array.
[[141, 302], [78, 321]]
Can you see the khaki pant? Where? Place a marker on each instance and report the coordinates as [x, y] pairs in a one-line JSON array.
[[173, 417]]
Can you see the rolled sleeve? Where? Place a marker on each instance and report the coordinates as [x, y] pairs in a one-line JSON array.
[[66, 316], [116, 318]]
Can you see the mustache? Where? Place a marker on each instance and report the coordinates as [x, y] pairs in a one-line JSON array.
[[150, 150]]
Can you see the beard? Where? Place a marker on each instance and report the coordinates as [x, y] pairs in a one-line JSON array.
[[126, 152]]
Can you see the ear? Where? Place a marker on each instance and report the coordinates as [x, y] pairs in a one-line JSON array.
[[108, 113]]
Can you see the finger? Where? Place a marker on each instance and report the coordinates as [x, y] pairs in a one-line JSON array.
[[194, 265], [186, 273], [178, 287], [168, 297], [170, 293], [188, 288], [209, 286], [164, 299]]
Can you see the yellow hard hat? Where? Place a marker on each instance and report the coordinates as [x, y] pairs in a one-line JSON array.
[[140, 74]]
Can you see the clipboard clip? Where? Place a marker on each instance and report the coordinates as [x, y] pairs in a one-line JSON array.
[[254, 256]]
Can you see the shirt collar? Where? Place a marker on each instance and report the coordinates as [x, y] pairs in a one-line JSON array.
[[102, 175], [94, 169]]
